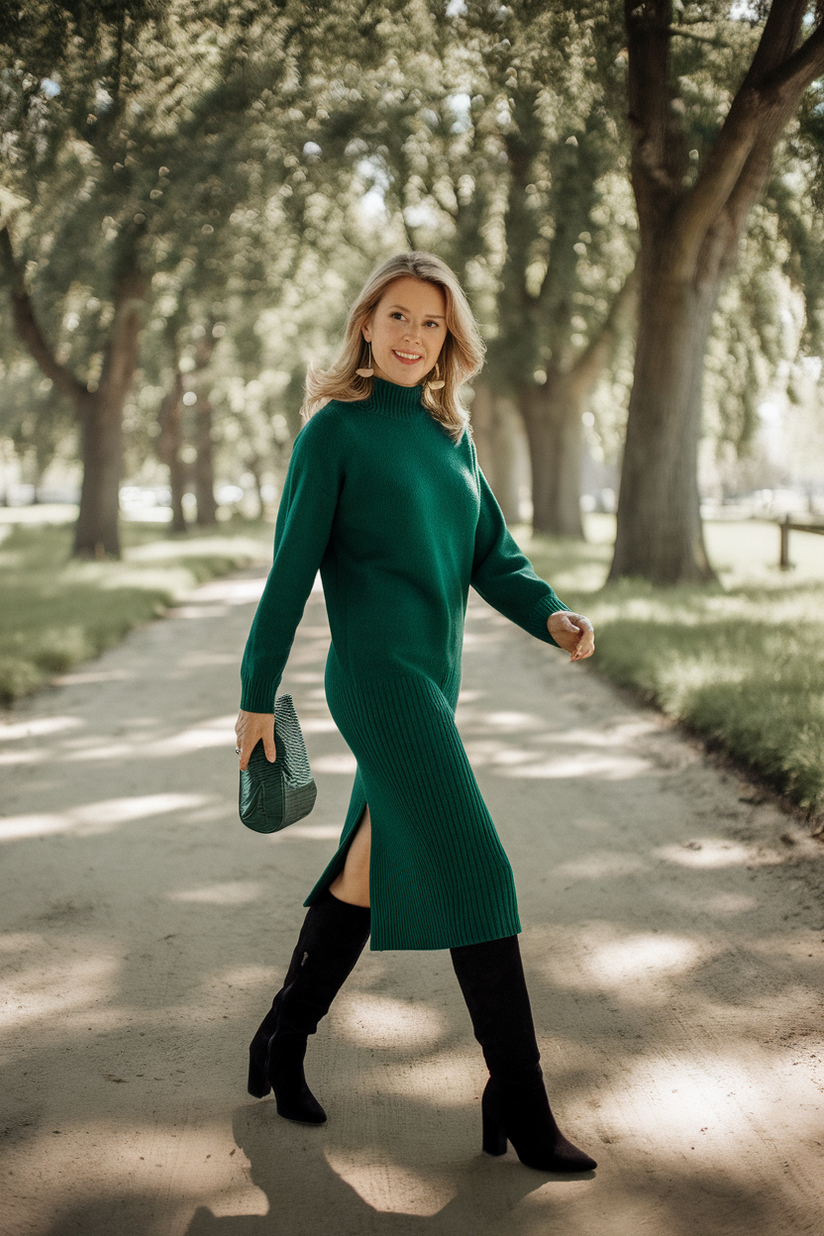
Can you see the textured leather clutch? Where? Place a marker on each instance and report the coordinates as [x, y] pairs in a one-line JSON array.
[[273, 796]]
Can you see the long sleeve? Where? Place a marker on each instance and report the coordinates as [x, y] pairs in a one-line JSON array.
[[505, 577], [302, 531]]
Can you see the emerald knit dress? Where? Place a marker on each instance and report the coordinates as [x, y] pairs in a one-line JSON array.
[[400, 520]]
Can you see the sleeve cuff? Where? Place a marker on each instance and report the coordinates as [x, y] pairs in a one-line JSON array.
[[259, 696], [549, 604]]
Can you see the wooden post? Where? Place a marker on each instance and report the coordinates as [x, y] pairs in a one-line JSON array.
[[784, 556]]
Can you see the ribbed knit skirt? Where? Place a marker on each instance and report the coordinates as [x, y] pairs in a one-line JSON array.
[[439, 877]]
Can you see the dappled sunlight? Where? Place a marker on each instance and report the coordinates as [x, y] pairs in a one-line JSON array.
[[442, 1079], [704, 1099], [92, 819], [32, 756], [588, 823], [619, 733], [50, 987], [715, 852], [37, 727], [477, 641], [341, 763], [124, 1160], [218, 732], [318, 725], [641, 957], [585, 764], [608, 753], [515, 722], [234, 893], [723, 903], [235, 547], [200, 659], [310, 832], [198, 611], [210, 732], [387, 1024], [603, 956], [600, 866], [483, 751], [392, 1188]]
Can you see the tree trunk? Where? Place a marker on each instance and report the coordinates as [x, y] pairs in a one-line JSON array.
[[170, 445], [99, 411], [255, 465], [204, 468], [689, 230], [497, 455], [552, 418], [97, 531], [659, 534]]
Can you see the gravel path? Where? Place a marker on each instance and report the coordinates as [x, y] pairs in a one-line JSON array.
[[673, 928]]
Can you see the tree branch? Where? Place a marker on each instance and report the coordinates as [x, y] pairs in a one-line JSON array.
[[799, 70], [757, 116], [588, 367], [28, 328], [681, 33], [779, 39]]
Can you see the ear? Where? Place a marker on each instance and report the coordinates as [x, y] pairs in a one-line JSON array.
[[365, 331]]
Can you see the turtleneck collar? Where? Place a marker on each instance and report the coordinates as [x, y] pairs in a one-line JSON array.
[[393, 400]]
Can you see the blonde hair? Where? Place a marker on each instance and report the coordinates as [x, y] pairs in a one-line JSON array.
[[461, 356]]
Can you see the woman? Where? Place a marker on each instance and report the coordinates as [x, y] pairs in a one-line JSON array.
[[385, 496]]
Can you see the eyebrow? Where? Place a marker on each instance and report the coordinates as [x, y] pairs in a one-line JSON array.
[[426, 315]]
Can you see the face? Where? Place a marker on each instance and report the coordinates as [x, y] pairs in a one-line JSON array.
[[407, 331]]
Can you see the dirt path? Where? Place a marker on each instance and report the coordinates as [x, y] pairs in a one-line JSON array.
[[672, 935]]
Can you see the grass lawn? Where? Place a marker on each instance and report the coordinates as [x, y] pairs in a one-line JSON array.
[[741, 662], [57, 612]]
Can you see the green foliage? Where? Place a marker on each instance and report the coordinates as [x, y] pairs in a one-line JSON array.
[[742, 666], [228, 149], [57, 613]]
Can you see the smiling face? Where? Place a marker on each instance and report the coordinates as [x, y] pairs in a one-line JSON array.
[[407, 331]]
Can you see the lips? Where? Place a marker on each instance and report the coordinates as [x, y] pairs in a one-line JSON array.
[[407, 358]]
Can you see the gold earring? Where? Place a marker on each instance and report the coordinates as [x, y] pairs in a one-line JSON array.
[[435, 384], [367, 371]]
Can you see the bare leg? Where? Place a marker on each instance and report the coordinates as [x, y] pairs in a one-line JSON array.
[[352, 885]]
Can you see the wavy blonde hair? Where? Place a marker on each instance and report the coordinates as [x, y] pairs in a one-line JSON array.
[[461, 356]]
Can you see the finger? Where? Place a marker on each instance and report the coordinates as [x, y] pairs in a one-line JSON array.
[[269, 748], [586, 646]]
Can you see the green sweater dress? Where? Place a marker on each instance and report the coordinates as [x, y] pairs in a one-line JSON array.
[[400, 520]]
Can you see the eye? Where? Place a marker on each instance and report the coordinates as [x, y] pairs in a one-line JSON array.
[[431, 323], [397, 315]]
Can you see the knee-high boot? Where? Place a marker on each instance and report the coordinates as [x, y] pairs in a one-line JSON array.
[[515, 1106], [330, 942]]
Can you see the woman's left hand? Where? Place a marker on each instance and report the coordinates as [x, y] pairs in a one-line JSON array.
[[573, 633]]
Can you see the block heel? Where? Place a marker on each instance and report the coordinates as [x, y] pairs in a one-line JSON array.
[[258, 1084], [494, 1138]]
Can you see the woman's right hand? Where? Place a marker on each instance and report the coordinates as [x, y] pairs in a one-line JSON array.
[[250, 727]]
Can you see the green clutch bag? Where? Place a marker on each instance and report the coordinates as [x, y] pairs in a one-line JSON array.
[[272, 796]]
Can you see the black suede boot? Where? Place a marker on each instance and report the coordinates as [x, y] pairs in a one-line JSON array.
[[515, 1106], [330, 942]]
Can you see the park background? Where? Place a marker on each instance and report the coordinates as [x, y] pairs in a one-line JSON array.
[[193, 192]]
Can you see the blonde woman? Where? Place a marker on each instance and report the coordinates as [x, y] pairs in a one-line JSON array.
[[384, 495]]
